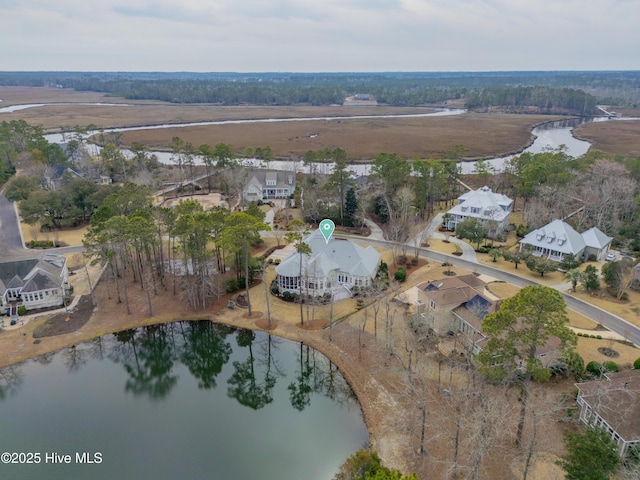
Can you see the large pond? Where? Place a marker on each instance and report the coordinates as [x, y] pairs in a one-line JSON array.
[[185, 400]]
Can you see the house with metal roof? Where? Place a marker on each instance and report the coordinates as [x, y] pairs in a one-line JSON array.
[[558, 239], [33, 283], [491, 209], [333, 267], [613, 404], [268, 184]]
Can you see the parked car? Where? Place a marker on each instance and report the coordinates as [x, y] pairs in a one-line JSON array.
[[610, 257]]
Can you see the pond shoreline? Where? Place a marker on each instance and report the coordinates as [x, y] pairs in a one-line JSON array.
[[374, 396]]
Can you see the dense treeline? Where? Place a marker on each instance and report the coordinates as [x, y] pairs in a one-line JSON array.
[[18, 140], [543, 99], [576, 92]]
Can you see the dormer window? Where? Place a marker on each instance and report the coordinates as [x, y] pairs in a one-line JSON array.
[[464, 209]]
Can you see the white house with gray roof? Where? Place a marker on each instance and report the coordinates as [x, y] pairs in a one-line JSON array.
[[332, 267], [491, 209], [268, 185], [558, 239], [33, 283]]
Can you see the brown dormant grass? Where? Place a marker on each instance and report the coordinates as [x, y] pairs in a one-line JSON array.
[[363, 139], [617, 138], [486, 135]]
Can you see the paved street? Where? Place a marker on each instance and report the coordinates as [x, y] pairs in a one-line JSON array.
[[12, 247], [11, 242], [614, 323]]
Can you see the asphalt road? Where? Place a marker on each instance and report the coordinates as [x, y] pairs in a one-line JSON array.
[[11, 247], [612, 322], [10, 240]]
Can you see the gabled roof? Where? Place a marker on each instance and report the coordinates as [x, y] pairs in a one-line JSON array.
[[453, 290], [558, 236], [39, 282], [337, 254], [259, 177], [29, 274], [594, 238]]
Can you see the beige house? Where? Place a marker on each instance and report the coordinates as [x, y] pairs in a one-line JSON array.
[[613, 404], [453, 306], [457, 306]]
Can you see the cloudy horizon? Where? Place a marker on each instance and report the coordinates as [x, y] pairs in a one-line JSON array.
[[306, 36]]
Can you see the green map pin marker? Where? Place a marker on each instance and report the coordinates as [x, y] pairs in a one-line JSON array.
[[327, 227]]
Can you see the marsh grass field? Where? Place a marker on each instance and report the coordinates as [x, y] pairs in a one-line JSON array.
[[484, 135], [427, 137]]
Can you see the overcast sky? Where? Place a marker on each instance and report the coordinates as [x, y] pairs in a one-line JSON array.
[[319, 35]]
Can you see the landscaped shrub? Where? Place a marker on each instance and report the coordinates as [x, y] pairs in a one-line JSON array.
[[400, 275], [636, 364], [22, 310], [384, 268], [595, 368], [232, 285], [288, 296], [611, 366]]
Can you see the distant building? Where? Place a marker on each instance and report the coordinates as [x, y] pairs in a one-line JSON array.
[[360, 99], [557, 239], [332, 267], [268, 185], [489, 208], [613, 404]]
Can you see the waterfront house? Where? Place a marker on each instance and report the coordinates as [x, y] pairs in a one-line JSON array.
[[491, 209], [613, 404], [333, 267], [268, 185], [33, 283]]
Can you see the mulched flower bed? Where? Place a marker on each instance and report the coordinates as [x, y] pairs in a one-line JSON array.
[[64, 322]]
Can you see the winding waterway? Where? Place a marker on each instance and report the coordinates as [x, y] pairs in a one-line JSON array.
[[182, 400], [548, 136]]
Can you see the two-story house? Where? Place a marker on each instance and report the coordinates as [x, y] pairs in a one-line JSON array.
[[268, 185], [491, 209]]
